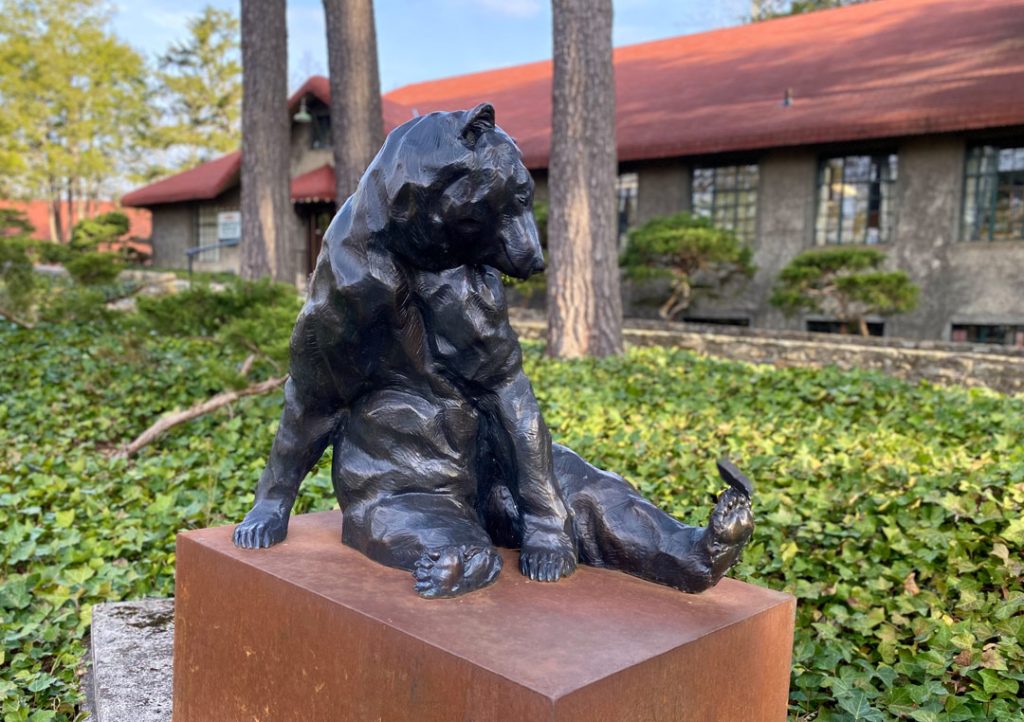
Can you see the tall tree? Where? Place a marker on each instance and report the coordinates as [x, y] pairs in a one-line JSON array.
[[75, 101], [265, 138], [584, 302], [200, 80], [357, 127]]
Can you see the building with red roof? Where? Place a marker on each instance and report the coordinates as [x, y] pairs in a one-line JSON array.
[[894, 123]]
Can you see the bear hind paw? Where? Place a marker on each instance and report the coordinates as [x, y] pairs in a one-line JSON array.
[[454, 570]]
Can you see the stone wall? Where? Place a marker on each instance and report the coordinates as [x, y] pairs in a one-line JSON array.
[[939, 362]]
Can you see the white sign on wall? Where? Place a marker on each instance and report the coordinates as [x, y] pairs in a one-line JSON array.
[[229, 226]]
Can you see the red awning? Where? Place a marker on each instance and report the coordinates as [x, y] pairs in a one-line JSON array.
[[316, 185]]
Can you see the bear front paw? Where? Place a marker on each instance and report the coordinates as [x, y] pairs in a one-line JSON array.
[[547, 557], [266, 524]]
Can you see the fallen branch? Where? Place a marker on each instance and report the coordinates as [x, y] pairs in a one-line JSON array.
[[15, 320], [171, 420]]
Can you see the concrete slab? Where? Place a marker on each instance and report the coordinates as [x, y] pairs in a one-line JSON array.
[[131, 653]]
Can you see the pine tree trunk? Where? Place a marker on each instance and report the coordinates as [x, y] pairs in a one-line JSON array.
[[584, 301], [71, 206], [57, 224], [357, 128], [265, 138]]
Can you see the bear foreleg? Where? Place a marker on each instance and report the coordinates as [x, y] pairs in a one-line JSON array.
[[300, 441], [547, 547]]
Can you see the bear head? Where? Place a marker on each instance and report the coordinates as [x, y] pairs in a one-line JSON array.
[[455, 192]]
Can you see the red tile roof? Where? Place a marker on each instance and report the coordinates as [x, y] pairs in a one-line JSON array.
[[38, 214], [879, 69], [317, 185], [203, 182]]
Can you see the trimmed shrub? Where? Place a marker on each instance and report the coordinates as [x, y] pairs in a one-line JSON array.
[[689, 250], [93, 268], [847, 283]]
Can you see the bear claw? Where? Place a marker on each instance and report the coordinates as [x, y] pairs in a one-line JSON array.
[[264, 526], [542, 565]]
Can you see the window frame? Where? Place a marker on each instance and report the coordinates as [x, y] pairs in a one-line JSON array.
[[873, 323], [318, 115], [999, 145], [736, 165], [872, 154], [627, 203], [1013, 334]]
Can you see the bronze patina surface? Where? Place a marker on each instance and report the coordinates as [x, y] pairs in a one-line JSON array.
[[312, 630], [403, 359]]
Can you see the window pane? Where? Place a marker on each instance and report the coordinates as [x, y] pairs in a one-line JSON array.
[[994, 193], [856, 199], [858, 169], [728, 196], [1009, 335], [627, 187]]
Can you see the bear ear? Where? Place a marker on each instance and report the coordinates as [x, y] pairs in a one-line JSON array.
[[479, 120]]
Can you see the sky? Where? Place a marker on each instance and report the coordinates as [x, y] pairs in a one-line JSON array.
[[427, 39]]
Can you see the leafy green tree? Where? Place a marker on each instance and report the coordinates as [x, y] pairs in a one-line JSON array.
[[691, 252], [846, 283], [74, 101], [200, 80]]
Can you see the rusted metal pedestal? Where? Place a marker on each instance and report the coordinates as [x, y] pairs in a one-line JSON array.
[[312, 630]]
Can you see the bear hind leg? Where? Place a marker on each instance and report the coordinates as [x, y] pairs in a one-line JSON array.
[[437, 538]]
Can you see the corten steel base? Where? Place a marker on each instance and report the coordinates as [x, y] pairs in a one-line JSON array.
[[312, 630]]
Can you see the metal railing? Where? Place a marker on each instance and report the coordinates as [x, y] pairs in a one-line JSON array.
[[191, 253]]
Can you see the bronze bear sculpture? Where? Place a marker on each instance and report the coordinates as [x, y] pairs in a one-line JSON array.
[[404, 359]]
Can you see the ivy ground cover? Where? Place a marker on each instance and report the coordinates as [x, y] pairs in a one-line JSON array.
[[892, 511]]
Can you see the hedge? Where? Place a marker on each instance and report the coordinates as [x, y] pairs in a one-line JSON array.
[[892, 511]]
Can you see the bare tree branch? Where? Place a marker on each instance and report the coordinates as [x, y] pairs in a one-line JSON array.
[[169, 421], [15, 320]]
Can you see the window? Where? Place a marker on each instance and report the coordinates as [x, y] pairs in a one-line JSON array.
[[627, 187], [743, 322], [1005, 335], [994, 194], [856, 199], [207, 222], [728, 196], [875, 328], [320, 131]]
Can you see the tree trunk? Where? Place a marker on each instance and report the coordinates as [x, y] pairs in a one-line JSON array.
[[266, 126], [56, 223], [357, 126], [71, 206], [584, 301], [862, 326]]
